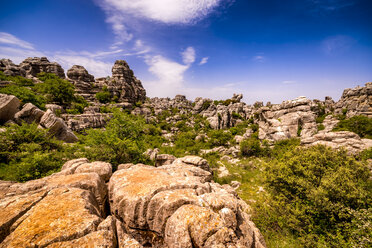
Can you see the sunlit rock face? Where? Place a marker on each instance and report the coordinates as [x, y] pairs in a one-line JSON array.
[[356, 101], [174, 205]]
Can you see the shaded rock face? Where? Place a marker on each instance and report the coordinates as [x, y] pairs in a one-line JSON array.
[[33, 66], [79, 73], [174, 205], [357, 101], [10, 69], [87, 120], [287, 120]]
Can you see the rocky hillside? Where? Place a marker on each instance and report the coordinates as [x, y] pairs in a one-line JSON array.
[[85, 205], [176, 172]]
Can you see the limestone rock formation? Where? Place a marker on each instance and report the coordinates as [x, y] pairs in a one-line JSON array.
[[123, 84], [79, 73], [178, 206], [57, 127], [8, 107], [290, 119], [29, 113], [174, 205], [87, 120], [33, 66], [356, 101], [351, 141], [10, 69]]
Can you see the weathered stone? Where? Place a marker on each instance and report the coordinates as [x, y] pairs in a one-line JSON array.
[[10, 69], [164, 159], [34, 66], [29, 114], [9, 105], [103, 169], [79, 73], [57, 127], [64, 214], [175, 206]]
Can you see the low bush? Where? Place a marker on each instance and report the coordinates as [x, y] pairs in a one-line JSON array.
[[25, 95], [28, 152], [361, 125], [320, 195], [219, 137]]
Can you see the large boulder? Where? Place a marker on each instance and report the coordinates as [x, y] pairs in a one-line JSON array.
[[66, 209], [29, 114], [57, 127], [9, 105], [178, 205]]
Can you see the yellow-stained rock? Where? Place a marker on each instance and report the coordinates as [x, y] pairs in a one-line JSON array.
[[64, 214]]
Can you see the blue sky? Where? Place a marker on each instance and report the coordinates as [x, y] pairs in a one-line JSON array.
[[269, 50]]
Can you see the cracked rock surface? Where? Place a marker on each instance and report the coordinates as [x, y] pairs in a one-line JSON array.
[[85, 205]]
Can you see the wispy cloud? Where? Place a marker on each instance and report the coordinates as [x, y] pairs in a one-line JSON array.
[[337, 44], [203, 61], [9, 39], [17, 50], [259, 58]]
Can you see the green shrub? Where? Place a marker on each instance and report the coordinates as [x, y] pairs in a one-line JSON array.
[[321, 127], [361, 125], [103, 96], [27, 152], [56, 89], [319, 195], [25, 95], [17, 80], [120, 142], [251, 147], [219, 137]]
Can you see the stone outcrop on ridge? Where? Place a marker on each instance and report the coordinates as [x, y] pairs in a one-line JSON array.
[[174, 205], [356, 101]]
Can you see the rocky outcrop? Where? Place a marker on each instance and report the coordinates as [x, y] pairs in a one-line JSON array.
[[356, 101], [178, 206], [10, 69], [84, 121], [174, 205], [8, 107], [29, 113], [57, 127], [33, 66], [79, 73], [348, 140], [290, 119], [123, 85]]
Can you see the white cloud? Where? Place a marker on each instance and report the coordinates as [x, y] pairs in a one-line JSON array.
[[123, 15], [9, 39], [331, 5], [97, 68], [203, 61], [166, 11], [188, 56], [169, 74], [259, 58]]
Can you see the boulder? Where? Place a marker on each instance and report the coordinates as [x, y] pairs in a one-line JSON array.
[[178, 206], [29, 114], [9, 105], [57, 127]]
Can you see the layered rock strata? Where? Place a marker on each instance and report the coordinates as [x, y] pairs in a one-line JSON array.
[[174, 205]]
